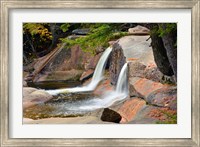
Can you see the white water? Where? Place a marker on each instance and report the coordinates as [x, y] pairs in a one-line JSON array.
[[120, 93], [122, 82], [97, 76]]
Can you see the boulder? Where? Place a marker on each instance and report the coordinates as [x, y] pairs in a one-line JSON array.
[[93, 62], [62, 75], [86, 75], [116, 61], [130, 108], [28, 90], [142, 87], [32, 96], [137, 48], [139, 30], [136, 69], [152, 72], [164, 97], [81, 31], [110, 116]]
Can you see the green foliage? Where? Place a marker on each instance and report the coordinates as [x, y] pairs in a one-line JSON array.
[[99, 36], [171, 118], [65, 27], [166, 28], [38, 30]]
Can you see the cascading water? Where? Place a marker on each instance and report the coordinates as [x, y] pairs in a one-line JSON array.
[[122, 82], [120, 93], [97, 76]]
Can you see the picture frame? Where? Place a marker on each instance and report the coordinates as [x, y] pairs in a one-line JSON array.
[[7, 5]]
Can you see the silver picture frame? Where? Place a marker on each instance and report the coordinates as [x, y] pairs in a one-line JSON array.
[[7, 5]]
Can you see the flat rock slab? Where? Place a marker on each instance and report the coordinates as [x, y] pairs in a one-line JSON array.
[[142, 87], [62, 75], [137, 48], [165, 97], [155, 115], [130, 108]]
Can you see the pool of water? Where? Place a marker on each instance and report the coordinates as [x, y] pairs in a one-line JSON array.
[[49, 85], [62, 105]]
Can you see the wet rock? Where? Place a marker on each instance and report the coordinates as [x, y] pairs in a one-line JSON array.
[[139, 30], [81, 31], [136, 69], [110, 116], [142, 87], [117, 60], [86, 75], [32, 96], [165, 97], [130, 108], [102, 87]]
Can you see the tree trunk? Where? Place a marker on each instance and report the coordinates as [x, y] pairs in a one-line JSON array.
[[169, 40], [159, 51]]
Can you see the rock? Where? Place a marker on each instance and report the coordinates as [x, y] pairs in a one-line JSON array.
[[62, 75], [153, 115], [32, 96], [81, 31], [142, 87], [99, 50], [130, 108], [24, 84], [110, 116], [137, 48], [78, 58], [165, 97], [116, 61], [93, 62], [153, 73], [102, 87], [136, 69], [139, 30], [28, 90], [73, 37], [86, 75]]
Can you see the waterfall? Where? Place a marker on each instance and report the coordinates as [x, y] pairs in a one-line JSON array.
[[122, 82], [120, 93], [97, 76]]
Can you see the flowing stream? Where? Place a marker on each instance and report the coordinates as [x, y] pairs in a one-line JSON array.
[[68, 102], [97, 77]]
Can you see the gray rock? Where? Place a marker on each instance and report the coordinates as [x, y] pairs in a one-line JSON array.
[[165, 97], [116, 61], [139, 30], [81, 31], [136, 69]]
